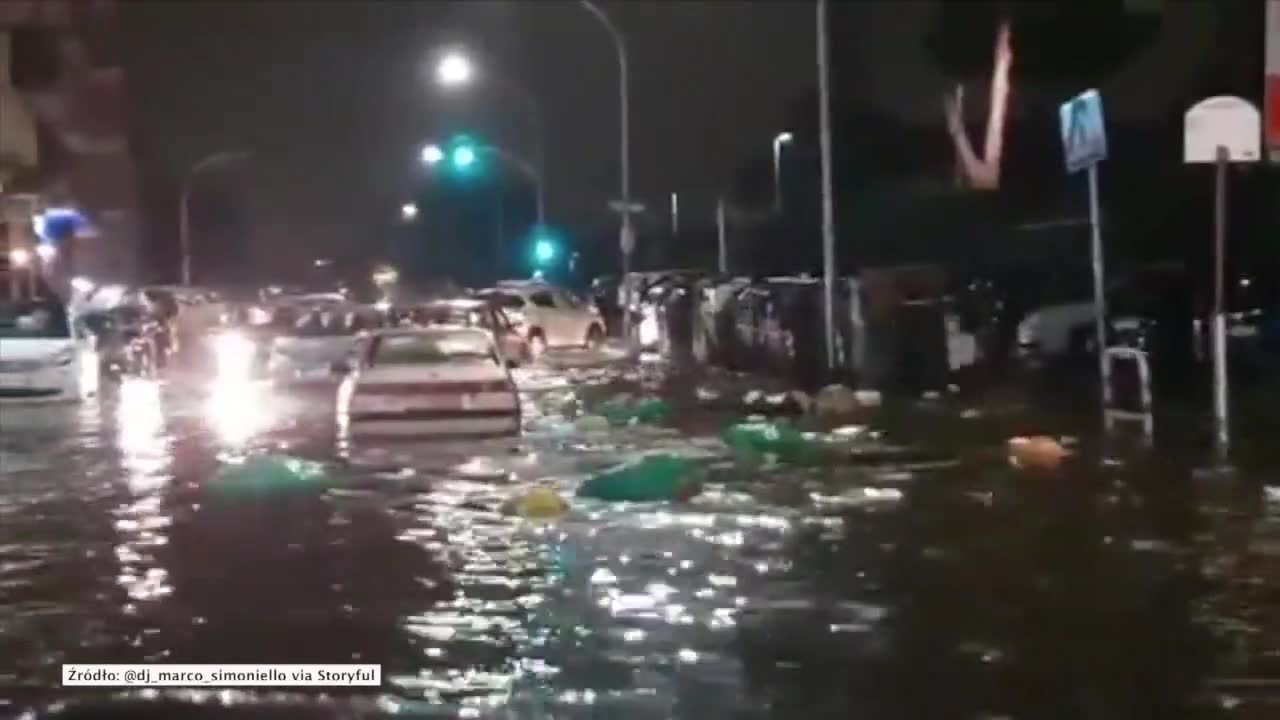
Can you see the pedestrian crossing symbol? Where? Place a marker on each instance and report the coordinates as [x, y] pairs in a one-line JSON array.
[[1084, 138]]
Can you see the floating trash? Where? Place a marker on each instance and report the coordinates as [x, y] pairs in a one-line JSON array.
[[1038, 452], [651, 478], [752, 441], [270, 473], [539, 503]]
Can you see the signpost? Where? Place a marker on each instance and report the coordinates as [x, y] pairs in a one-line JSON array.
[[627, 242], [1273, 80], [1084, 145], [1221, 130]]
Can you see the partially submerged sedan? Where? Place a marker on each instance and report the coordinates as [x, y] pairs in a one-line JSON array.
[[432, 382]]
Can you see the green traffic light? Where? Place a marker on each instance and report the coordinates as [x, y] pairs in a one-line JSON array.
[[464, 156], [544, 251]]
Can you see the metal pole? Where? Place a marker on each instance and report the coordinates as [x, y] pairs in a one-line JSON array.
[[1099, 292], [1221, 425], [501, 243], [184, 222], [722, 238], [184, 231], [828, 211], [542, 213], [777, 172], [627, 232]]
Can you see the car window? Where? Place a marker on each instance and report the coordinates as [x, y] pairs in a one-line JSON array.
[[34, 320], [503, 300], [427, 349], [543, 299], [501, 320], [319, 324]]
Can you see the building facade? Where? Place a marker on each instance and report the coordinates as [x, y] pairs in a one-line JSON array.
[[69, 182]]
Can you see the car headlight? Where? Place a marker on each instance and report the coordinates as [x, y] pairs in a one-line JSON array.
[[235, 354]]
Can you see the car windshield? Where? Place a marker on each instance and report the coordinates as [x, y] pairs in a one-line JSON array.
[[429, 348], [34, 320], [319, 324]]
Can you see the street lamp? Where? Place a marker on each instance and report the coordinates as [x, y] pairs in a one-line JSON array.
[[779, 140], [432, 154], [454, 69], [627, 233], [408, 212], [184, 222]]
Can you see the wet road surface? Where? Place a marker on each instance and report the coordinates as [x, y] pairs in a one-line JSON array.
[[958, 589]]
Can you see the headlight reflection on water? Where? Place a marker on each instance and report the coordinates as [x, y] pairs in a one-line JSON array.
[[142, 523], [238, 409], [235, 354]]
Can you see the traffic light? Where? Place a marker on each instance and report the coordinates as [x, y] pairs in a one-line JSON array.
[[463, 157], [546, 247], [544, 251]]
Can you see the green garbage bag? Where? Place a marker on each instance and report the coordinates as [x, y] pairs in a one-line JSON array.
[[751, 441], [648, 410], [270, 473], [651, 410], [652, 478], [616, 412]]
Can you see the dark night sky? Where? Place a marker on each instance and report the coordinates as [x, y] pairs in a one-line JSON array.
[[335, 98]]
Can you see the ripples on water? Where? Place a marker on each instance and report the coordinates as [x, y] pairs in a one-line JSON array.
[[880, 592]]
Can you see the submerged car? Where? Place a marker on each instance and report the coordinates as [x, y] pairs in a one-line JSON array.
[[304, 350], [43, 354], [433, 382]]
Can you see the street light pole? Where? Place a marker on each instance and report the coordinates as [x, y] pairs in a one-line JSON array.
[[779, 140], [184, 222], [828, 210], [627, 239]]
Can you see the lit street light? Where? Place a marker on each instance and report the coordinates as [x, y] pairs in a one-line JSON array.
[[20, 257], [432, 154], [408, 211], [454, 69]]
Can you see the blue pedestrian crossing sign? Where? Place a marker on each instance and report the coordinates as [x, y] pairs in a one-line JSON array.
[[1084, 137]]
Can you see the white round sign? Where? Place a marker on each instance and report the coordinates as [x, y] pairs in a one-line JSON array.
[[1227, 122]]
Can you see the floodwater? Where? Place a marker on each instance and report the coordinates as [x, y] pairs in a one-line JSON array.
[[951, 586]]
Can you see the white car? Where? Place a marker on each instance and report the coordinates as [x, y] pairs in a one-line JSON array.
[[305, 351], [548, 316], [1056, 331], [44, 355], [442, 381]]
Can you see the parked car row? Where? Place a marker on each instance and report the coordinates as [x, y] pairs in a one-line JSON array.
[[776, 325]]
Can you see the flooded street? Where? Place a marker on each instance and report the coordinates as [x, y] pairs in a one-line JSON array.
[[934, 583]]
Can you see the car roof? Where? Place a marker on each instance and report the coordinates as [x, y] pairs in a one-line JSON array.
[[457, 303], [430, 330]]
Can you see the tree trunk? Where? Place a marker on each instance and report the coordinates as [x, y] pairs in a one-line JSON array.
[[983, 173]]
